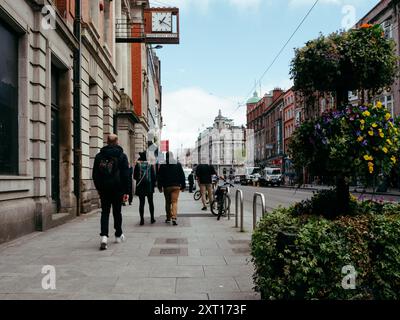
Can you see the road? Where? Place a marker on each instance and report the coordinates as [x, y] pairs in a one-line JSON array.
[[275, 197]]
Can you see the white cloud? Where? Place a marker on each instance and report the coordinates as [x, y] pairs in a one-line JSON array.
[[188, 111], [204, 5], [246, 4], [297, 3]]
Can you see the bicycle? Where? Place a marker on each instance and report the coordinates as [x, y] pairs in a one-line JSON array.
[[222, 202], [197, 196]]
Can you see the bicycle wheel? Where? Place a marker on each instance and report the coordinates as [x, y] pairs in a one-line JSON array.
[[197, 195], [214, 207]]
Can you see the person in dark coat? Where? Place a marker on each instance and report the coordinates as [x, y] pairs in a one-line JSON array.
[[111, 179], [171, 180], [191, 182], [130, 185], [145, 177]]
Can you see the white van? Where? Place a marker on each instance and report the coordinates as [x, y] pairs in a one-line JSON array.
[[271, 176]]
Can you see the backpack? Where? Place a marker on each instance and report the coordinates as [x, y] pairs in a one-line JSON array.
[[145, 175], [109, 173]]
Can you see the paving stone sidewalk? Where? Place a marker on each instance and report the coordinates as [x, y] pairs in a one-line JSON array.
[[201, 259]]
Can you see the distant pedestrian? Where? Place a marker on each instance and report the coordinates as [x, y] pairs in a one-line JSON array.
[[110, 177], [171, 180], [204, 175], [145, 177], [130, 183], [191, 182]]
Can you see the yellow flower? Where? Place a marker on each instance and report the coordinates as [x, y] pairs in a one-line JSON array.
[[368, 158], [371, 133], [371, 167], [388, 116], [359, 139], [385, 150], [374, 125], [366, 113], [379, 105], [362, 127], [389, 142], [391, 124], [381, 135], [393, 158], [362, 121]]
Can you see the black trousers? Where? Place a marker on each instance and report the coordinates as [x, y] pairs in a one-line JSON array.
[[190, 188], [108, 201], [142, 201]]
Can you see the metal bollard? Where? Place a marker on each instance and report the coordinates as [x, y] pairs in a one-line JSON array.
[[256, 195], [239, 196]]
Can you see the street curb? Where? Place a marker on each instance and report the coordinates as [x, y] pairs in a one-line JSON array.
[[360, 192]]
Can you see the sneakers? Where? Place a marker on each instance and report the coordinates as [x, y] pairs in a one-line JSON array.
[[204, 209], [174, 222], [103, 243], [120, 239], [168, 221], [153, 221]]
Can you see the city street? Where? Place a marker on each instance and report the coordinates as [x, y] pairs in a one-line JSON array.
[[275, 196], [199, 259]]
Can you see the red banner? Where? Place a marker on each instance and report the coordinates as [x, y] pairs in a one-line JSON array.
[[164, 145]]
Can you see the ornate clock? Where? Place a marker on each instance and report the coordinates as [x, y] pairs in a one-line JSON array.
[[161, 25]]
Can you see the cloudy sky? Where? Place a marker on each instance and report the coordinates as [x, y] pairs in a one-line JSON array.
[[226, 45]]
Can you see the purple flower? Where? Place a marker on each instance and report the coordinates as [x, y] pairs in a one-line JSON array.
[[363, 108], [358, 133], [318, 126], [364, 143]]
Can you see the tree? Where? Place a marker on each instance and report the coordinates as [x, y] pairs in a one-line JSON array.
[[360, 59]]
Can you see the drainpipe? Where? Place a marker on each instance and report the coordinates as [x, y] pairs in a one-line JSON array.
[[77, 109]]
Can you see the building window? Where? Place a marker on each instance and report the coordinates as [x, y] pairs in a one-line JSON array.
[[387, 29], [8, 101]]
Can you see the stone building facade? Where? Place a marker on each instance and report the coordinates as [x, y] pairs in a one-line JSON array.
[[223, 145], [36, 90], [39, 156]]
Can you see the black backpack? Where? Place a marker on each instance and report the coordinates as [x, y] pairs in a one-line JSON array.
[[109, 173]]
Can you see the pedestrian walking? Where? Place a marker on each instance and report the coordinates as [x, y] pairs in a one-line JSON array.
[[130, 184], [191, 182], [171, 180], [110, 177], [204, 174], [145, 177]]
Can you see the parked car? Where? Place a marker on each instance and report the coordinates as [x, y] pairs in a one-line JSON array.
[[250, 175], [272, 176], [237, 179]]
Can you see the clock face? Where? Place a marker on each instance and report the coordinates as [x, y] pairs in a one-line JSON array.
[[161, 22]]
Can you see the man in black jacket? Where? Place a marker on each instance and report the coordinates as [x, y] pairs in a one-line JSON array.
[[111, 179], [171, 180]]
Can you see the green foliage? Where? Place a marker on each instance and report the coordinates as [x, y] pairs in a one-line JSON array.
[[357, 59], [310, 266], [323, 203]]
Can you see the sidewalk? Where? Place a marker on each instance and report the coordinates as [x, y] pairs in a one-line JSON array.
[[201, 258]]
